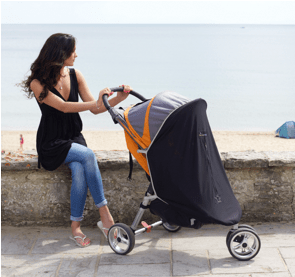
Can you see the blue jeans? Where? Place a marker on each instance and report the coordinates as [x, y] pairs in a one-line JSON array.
[[85, 173]]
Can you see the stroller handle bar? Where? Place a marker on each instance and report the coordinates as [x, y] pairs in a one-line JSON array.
[[132, 92]]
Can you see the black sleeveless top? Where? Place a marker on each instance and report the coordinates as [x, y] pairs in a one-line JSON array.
[[57, 130]]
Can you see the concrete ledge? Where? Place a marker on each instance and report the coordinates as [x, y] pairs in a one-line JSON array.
[[263, 182]]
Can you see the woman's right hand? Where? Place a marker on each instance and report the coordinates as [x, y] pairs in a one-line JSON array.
[[101, 93]]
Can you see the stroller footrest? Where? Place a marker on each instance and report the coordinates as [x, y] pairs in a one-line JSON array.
[[146, 226]]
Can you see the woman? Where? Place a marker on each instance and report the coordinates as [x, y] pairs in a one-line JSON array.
[[59, 138]]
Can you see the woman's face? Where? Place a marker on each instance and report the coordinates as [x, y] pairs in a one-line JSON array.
[[70, 60]]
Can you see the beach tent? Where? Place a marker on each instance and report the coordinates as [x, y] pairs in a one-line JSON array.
[[287, 130]]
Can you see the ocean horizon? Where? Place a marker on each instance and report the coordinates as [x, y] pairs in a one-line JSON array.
[[244, 72]]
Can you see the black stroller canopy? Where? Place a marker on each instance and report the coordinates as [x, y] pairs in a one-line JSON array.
[[187, 172]]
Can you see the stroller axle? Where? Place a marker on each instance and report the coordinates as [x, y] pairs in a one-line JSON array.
[[145, 229]]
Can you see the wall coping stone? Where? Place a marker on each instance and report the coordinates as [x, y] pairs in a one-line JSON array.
[[120, 158], [252, 159]]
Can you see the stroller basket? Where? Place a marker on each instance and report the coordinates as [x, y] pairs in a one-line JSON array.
[[170, 137]]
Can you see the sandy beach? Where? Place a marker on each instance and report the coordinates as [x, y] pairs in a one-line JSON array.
[[115, 140]]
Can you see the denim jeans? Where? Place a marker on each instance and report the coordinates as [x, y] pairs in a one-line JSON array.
[[85, 174]]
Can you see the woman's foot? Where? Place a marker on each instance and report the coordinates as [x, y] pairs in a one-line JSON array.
[[76, 231], [106, 219], [81, 239], [103, 229]]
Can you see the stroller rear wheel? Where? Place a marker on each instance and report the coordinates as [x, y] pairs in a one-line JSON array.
[[240, 226], [171, 228], [244, 244], [121, 238]]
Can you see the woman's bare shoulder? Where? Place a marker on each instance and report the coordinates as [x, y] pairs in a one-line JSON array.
[[80, 77], [36, 85]]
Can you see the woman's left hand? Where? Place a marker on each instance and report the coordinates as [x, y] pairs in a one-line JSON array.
[[124, 94]]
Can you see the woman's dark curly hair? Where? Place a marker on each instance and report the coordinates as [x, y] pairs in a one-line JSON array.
[[46, 68]]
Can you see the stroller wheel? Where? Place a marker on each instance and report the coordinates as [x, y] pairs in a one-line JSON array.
[[247, 226], [121, 238], [244, 244], [171, 228], [232, 230]]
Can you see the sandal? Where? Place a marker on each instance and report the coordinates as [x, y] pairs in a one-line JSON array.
[[100, 226], [77, 243]]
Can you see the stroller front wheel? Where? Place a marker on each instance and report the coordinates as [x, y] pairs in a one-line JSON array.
[[171, 228], [244, 244], [121, 238]]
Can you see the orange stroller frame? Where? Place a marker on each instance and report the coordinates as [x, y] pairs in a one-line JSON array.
[[242, 240]]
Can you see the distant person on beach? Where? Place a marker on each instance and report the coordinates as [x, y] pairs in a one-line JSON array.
[[21, 141], [59, 138]]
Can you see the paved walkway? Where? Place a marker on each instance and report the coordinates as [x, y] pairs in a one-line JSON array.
[[41, 251]]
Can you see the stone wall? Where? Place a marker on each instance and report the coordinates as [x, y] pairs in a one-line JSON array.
[[263, 182]]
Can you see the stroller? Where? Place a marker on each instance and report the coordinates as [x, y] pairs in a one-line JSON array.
[[170, 137]]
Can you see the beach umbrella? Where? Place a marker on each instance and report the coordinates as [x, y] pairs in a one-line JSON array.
[[287, 130]]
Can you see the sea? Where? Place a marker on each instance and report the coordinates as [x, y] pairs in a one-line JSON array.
[[246, 73]]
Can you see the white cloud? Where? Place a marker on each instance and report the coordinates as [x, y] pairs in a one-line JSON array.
[[145, 12]]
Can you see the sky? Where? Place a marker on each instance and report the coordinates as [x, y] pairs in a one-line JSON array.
[[148, 12]]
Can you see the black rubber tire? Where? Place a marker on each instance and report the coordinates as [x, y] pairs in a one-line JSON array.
[[121, 234], [235, 237], [240, 226], [171, 228]]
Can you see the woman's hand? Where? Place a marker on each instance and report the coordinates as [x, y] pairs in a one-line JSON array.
[[122, 95], [101, 93]]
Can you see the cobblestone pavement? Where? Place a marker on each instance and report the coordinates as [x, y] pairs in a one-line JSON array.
[[43, 251]]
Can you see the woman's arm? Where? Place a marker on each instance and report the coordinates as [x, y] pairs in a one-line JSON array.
[[56, 102], [87, 96]]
